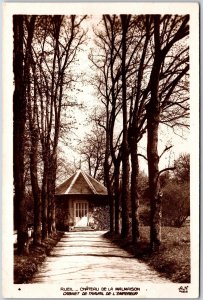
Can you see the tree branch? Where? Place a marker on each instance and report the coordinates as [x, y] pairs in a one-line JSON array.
[[143, 156], [165, 150], [166, 169]]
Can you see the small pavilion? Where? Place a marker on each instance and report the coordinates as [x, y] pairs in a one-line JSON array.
[[81, 202]]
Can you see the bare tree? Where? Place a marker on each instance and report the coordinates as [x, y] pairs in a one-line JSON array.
[[138, 94], [125, 21], [21, 68], [177, 28], [32, 112], [107, 65]]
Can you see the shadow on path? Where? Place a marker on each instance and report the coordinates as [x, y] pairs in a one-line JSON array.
[[88, 258]]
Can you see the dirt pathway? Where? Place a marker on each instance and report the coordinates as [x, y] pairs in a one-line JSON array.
[[89, 258]]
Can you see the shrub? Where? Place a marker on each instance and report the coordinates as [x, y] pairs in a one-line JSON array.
[[144, 215], [176, 203], [100, 218], [62, 219]]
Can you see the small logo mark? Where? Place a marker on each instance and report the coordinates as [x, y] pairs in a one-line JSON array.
[[183, 289]]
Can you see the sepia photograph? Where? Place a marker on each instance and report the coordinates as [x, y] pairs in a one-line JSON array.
[[101, 150]]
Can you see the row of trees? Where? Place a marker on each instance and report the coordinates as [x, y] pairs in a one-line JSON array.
[[141, 67], [45, 52]]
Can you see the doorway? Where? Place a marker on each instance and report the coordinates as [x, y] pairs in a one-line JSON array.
[[81, 213]]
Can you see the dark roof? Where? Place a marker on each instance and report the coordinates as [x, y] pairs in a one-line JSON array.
[[81, 183]]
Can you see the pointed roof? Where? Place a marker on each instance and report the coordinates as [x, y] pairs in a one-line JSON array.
[[81, 183]]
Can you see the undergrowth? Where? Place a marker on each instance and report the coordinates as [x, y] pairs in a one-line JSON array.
[[26, 265]]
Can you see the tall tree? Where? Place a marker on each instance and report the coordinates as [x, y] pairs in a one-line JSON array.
[[138, 98], [107, 65], [177, 29], [32, 112], [21, 64], [125, 20]]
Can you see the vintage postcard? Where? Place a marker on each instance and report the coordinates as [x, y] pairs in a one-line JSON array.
[[100, 150]]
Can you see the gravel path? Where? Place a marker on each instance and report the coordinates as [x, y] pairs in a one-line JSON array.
[[88, 258]]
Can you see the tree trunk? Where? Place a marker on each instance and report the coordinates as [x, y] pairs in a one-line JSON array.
[[125, 149], [125, 199], [44, 197], [154, 184], [109, 189], [134, 191], [153, 119], [35, 187], [32, 112], [19, 119], [52, 208], [117, 197], [112, 206]]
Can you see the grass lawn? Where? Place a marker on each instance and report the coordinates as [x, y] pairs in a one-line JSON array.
[[26, 265], [172, 260]]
